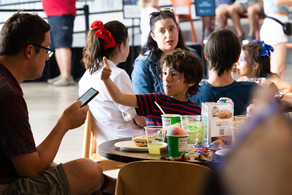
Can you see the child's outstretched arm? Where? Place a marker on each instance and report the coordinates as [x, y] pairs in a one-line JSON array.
[[115, 93]]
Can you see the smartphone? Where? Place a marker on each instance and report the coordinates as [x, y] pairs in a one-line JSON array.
[[87, 96]]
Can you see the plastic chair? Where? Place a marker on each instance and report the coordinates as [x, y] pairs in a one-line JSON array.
[[157, 177], [184, 16], [90, 145]]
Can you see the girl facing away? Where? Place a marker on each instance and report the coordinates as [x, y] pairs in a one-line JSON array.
[[110, 120], [254, 61]]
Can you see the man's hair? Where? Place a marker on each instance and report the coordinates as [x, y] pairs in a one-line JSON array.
[[21, 30], [222, 50], [151, 44], [94, 51], [253, 53], [187, 63]]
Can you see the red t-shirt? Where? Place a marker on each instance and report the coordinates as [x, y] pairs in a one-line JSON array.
[[59, 7]]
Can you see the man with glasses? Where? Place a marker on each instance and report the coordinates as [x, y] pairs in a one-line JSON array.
[[24, 167]]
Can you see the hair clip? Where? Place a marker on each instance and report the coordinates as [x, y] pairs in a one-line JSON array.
[[266, 49], [103, 33]]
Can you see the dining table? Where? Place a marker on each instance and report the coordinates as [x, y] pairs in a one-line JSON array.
[[110, 151]]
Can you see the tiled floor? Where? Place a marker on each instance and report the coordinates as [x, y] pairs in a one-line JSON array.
[[46, 104]]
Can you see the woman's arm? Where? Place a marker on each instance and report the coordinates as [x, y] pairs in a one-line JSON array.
[[115, 93], [282, 86]]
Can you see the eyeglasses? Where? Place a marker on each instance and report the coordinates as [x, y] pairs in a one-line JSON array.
[[49, 51], [157, 13]]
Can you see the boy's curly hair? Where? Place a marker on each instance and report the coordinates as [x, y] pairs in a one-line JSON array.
[[187, 63]]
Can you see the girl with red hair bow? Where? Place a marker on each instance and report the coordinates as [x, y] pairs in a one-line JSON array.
[[111, 121]]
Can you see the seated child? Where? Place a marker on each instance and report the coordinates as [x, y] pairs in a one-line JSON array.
[[181, 74], [222, 52], [110, 120], [254, 61]]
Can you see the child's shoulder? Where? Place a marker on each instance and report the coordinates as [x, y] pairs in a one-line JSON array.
[[245, 83]]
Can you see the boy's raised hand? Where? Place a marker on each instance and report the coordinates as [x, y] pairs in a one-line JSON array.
[[106, 70]]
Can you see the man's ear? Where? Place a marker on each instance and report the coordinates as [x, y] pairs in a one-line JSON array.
[[28, 51]]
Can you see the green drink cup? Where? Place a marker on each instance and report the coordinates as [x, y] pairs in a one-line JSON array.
[[193, 126], [155, 138], [170, 119]]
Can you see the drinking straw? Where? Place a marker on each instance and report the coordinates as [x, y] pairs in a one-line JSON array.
[[159, 107]]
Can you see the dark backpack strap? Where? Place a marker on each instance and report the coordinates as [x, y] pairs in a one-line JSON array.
[[275, 20]]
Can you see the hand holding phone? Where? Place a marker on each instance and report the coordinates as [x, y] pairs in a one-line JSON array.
[[88, 96]]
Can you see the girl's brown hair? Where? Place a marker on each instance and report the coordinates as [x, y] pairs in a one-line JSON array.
[[94, 51], [253, 53]]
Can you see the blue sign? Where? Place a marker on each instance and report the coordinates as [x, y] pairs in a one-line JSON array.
[[205, 7]]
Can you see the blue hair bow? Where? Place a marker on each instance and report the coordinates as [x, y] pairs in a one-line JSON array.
[[266, 49]]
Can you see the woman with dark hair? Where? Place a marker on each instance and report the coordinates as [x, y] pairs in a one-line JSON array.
[[165, 36]]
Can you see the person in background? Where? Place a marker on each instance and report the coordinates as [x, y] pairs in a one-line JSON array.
[[254, 61], [220, 5], [251, 7], [222, 51], [25, 168], [272, 32], [165, 36], [61, 15], [146, 8], [182, 72], [111, 120]]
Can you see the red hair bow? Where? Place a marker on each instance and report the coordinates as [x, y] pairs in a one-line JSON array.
[[103, 33]]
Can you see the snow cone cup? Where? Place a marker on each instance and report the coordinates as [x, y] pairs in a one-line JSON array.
[[177, 140]]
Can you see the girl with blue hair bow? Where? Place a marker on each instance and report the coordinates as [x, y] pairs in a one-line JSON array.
[[254, 62]]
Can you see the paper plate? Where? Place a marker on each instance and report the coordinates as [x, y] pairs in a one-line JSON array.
[[130, 146]]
